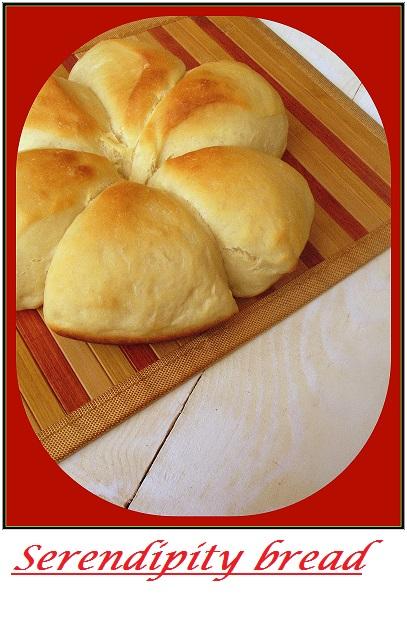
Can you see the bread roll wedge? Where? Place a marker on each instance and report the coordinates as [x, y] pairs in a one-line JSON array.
[[217, 103], [66, 115], [136, 266], [130, 77], [53, 186], [259, 209]]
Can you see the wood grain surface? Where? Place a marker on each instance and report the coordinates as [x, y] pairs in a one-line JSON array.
[[343, 155], [264, 427], [291, 427]]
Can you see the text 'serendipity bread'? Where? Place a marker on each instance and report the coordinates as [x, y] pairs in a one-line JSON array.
[[66, 115], [130, 77], [53, 186], [136, 265], [259, 208], [215, 104]]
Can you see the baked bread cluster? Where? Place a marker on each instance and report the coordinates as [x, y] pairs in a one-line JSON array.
[[148, 197]]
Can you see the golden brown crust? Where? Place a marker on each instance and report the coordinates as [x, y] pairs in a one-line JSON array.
[[52, 180], [57, 106], [136, 266], [70, 116], [198, 90], [52, 187], [258, 207], [217, 103], [187, 333], [146, 73]]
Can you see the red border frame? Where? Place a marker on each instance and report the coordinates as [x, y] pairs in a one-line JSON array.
[[367, 493]]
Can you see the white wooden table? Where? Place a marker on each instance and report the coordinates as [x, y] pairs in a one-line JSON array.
[[276, 420]]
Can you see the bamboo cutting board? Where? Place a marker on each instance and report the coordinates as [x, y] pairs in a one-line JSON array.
[[74, 391]]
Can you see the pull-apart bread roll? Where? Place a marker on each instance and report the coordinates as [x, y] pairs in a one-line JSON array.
[[136, 265], [217, 103], [66, 115], [259, 208], [52, 188], [129, 77]]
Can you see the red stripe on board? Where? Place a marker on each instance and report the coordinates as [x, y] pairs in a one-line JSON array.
[[174, 47], [334, 208], [50, 359], [341, 150], [70, 62], [139, 355], [310, 255]]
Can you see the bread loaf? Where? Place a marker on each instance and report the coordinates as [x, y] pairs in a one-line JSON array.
[[66, 115], [136, 266], [129, 77], [217, 103], [258, 207], [123, 262], [53, 186]]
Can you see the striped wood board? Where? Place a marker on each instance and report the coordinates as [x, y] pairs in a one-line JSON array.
[[65, 384]]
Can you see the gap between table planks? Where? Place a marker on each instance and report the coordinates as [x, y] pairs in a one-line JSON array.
[[114, 465]]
